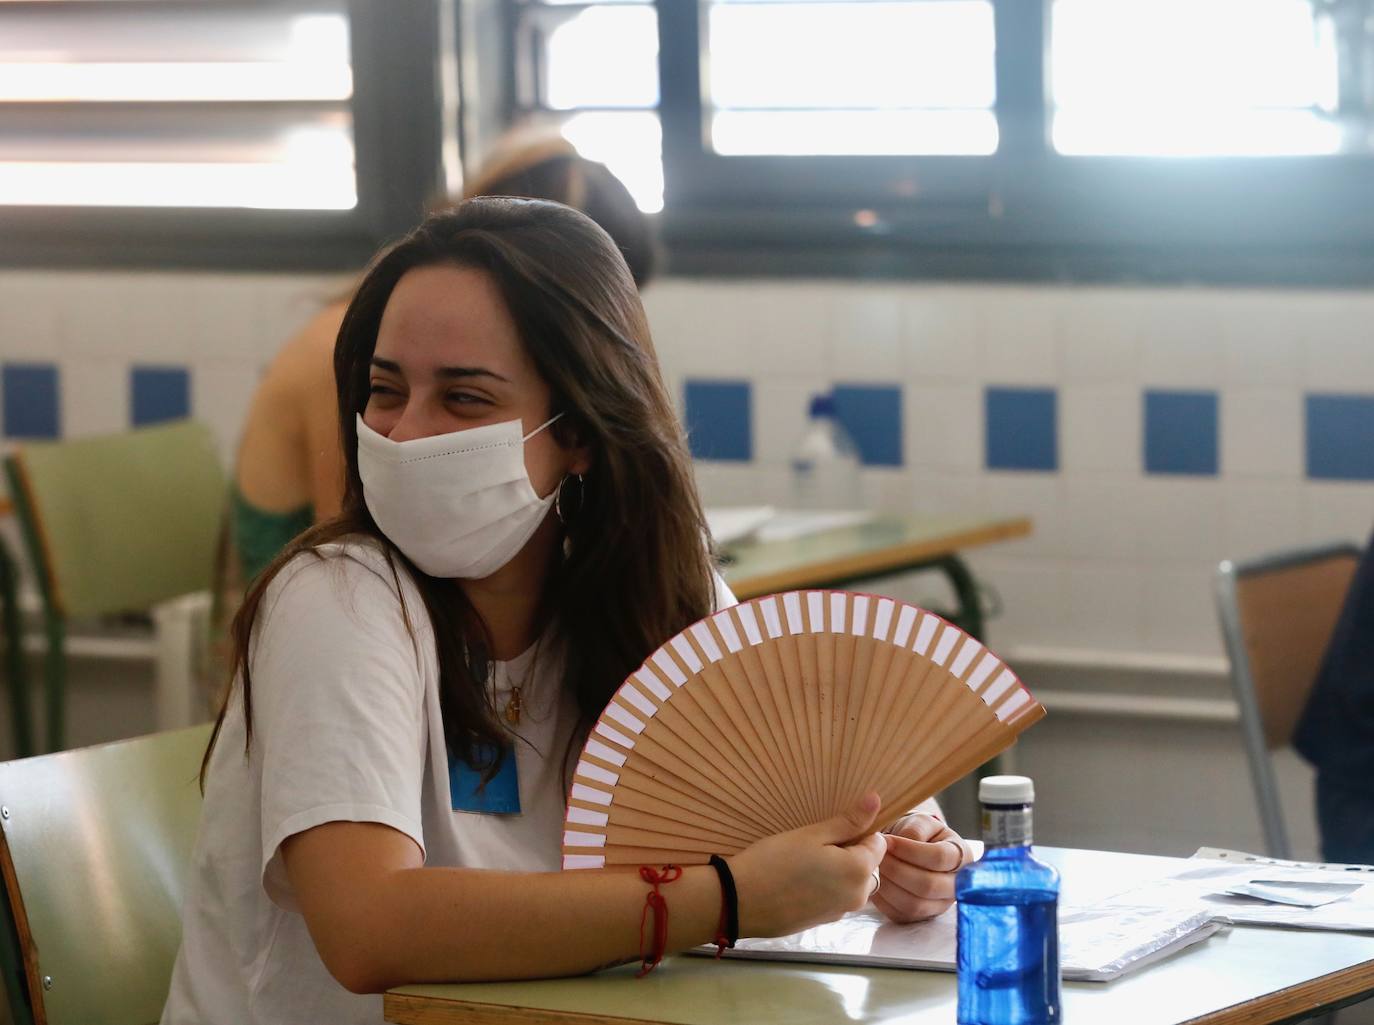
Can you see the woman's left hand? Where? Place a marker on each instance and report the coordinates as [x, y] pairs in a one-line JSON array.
[[917, 873]]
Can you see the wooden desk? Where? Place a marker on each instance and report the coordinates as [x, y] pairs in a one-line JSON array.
[[884, 545], [1246, 976]]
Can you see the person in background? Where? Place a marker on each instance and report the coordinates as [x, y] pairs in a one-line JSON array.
[[289, 471], [519, 530], [1336, 731]]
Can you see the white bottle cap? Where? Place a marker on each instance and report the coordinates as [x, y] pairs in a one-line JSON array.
[[1006, 790]]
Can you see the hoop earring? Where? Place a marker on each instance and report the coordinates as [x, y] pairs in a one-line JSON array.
[[563, 517]]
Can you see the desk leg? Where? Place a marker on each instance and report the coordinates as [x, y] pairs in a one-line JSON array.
[[969, 612], [15, 667]]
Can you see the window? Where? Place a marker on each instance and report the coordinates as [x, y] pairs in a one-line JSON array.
[[812, 128], [217, 106], [850, 78], [1244, 78], [1153, 139], [234, 132], [592, 69], [1065, 138]]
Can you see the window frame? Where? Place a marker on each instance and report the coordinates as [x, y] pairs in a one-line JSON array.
[[397, 142], [1023, 212]]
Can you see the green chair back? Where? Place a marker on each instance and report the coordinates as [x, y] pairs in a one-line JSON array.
[[95, 848], [121, 522], [115, 523]]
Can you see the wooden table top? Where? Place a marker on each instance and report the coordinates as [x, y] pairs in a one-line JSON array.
[[885, 544], [1241, 976]]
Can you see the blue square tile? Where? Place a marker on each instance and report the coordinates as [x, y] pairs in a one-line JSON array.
[[1181, 432], [159, 393], [1340, 437], [872, 414], [31, 400], [718, 420], [1022, 429]]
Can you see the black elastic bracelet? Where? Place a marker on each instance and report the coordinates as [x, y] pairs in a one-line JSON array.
[[731, 898]]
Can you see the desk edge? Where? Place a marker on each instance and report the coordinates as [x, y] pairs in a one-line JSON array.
[[1307, 996], [404, 1009], [897, 558]]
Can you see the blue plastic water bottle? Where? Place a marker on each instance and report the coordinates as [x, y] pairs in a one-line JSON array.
[[1008, 917]]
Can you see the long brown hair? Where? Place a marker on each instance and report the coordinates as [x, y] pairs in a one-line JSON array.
[[634, 567]]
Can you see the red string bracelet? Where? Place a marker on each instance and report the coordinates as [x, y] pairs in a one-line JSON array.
[[653, 901]]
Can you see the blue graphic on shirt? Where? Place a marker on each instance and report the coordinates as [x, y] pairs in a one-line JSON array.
[[501, 795]]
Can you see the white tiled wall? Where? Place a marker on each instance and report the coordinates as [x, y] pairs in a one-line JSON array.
[[1118, 560], [95, 326]]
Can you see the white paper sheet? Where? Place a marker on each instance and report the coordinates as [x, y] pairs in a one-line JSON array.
[[732, 524], [729, 524], [1301, 894], [1222, 854], [1202, 882], [1095, 944], [792, 523]]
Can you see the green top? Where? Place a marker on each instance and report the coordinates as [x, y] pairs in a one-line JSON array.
[[260, 535]]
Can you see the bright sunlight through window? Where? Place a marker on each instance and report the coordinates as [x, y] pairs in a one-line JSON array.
[[1192, 78], [801, 78], [177, 108]]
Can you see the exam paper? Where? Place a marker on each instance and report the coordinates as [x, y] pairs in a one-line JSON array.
[[1203, 881], [1295, 892], [1096, 944]]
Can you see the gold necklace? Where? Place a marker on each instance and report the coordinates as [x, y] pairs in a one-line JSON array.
[[513, 707], [515, 704]]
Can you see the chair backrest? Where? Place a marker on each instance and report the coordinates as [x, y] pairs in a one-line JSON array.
[[94, 847], [1277, 617], [121, 522]]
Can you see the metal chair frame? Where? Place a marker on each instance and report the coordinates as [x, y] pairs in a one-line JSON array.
[[1229, 575]]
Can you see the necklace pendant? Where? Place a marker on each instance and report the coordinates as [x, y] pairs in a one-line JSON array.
[[513, 708]]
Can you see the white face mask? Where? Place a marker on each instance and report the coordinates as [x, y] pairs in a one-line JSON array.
[[457, 505]]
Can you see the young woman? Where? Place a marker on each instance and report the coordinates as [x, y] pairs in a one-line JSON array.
[[289, 472], [385, 792]]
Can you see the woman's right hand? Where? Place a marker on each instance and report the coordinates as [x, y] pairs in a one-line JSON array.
[[792, 881]]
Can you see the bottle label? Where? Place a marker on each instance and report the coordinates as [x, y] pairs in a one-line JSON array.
[[1008, 826]]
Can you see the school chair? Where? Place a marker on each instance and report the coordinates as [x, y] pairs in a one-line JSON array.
[[122, 523], [1277, 616], [94, 849]]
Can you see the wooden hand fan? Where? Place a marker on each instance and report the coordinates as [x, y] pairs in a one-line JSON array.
[[781, 712]]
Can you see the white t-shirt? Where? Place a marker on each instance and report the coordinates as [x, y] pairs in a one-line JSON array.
[[347, 728]]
